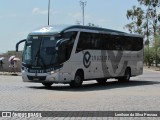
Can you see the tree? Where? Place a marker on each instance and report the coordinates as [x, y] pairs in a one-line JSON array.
[[149, 57], [156, 45], [144, 19], [152, 12], [145, 22], [136, 14]]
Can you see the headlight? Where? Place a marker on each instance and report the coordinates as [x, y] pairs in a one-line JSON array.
[[52, 72], [55, 71]]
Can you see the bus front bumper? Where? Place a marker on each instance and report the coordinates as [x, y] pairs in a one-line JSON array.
[[46, 77]]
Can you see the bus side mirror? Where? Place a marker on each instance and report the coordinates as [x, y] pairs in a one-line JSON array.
[[17, 45]]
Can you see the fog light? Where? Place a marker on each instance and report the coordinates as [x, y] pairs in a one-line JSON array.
[[52, 72]]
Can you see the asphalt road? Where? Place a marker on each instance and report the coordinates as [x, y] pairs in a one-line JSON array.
[[142, 93]]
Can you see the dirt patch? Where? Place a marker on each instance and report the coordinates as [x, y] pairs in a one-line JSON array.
[[152, 68]]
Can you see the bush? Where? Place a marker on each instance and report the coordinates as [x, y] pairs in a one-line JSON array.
[[149, 56]]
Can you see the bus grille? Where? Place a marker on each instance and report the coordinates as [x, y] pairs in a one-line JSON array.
[[38, 78]]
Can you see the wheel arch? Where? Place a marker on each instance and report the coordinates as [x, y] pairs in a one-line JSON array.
[[80, 70], [128, 68]]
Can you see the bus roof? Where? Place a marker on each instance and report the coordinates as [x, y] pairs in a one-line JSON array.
[[48, 30], [51, 30]]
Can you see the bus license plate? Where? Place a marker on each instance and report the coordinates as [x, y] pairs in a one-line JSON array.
[[36, 79]]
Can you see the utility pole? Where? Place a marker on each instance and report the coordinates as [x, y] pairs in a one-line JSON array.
[[83, 4], [48, 10]]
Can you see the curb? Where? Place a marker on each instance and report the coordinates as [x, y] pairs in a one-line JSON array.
[[10, 74]]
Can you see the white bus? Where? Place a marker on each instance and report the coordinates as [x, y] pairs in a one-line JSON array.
[[73, 54]]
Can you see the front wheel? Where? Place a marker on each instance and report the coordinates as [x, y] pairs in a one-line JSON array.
[[47, 84], [78, 80]]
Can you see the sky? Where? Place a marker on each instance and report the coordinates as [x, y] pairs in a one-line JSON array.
[[19, 17]]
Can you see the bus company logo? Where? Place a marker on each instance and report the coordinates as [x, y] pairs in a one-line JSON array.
[[86, 59]]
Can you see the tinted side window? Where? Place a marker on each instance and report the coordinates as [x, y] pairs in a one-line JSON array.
[[104, 41], [132, 43], [96, 41], [88, 41], [66, 46], [82, 42], [111, 42], [137, 44], [115, 42]]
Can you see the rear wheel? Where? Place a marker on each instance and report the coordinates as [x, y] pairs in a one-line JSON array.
[[78, 80], [126, 77], [47, 84], [101, 81]]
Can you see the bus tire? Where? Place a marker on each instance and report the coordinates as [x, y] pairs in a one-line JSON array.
[[47, 84], [78, 80], [101, 81], [126, 77]]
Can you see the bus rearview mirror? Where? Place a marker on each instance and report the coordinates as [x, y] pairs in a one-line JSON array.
[[17, 45]]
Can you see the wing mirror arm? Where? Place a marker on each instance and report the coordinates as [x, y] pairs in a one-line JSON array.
[[17, 45]]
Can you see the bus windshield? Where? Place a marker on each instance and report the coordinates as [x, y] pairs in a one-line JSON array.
[[40, 50]]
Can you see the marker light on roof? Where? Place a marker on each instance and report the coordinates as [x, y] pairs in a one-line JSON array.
[[46, 29]]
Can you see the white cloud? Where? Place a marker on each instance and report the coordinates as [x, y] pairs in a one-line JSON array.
[[37, 11], [54, 12], [78, 15], [87, 16]]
